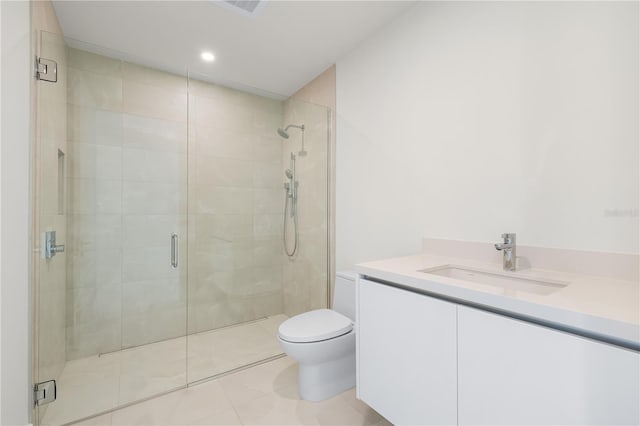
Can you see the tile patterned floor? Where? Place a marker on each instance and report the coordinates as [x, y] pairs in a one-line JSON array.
[[99, 383], [262, 395]]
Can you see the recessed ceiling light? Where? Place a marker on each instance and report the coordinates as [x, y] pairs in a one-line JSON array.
[[207, 56]]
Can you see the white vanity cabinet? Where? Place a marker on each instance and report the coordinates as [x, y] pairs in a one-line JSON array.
[[511, 372], [423, 360], [406, 355]]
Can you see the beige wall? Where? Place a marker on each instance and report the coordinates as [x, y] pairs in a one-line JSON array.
[[321, 90], [43, 17]]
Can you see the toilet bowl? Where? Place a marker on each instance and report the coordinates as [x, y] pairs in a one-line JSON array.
[[324, 344]]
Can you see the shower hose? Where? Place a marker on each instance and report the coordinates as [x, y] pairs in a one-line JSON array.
[[294, 214]]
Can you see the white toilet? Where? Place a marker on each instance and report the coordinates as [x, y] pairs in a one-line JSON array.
[[324, 343]]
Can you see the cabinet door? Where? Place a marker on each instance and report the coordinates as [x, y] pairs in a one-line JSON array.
[[513, 372], [406, 355]]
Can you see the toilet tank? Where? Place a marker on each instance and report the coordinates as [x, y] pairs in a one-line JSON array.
[[344, 294]]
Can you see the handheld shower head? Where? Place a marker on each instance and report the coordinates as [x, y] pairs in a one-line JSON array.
[[288, 173]]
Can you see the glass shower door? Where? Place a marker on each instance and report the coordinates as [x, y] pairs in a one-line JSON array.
[[111, 180]]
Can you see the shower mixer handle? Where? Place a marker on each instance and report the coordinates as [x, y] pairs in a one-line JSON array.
[[49, 246]]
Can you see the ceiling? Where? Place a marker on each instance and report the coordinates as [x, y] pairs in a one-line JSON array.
[[273, 53]]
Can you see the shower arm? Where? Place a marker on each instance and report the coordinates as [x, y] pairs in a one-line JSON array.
[[285, 134]]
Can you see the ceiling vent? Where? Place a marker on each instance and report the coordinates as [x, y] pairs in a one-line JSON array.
[[244, 7]]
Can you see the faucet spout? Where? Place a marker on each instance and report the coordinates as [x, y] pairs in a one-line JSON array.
[[508, 248]]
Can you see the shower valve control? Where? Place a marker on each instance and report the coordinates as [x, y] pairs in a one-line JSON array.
[[49, 247]]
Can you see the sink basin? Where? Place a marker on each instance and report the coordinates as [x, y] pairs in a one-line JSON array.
[[510, 282]]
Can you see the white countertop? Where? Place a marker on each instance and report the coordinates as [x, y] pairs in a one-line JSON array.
[[604, 308]]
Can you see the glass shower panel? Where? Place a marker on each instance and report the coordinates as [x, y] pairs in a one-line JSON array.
[[50, 165], [238, 286], [112, 148]]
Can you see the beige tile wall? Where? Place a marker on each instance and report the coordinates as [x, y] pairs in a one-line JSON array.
[[127, 129], [235, 222], [321, 90], [305, 274]]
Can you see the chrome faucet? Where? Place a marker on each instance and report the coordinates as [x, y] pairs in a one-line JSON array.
[[508, 248]]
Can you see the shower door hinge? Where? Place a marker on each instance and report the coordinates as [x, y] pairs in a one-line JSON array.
[[46, 70], [44, 392]]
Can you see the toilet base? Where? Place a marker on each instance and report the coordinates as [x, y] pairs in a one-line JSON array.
[[317, 382]]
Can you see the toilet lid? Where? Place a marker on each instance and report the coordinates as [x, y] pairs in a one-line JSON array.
[[314, 326]]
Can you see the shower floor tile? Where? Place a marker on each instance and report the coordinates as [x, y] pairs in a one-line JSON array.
[[151, 369], [85, 387], [96, 384], [212, 353], [261, 395]]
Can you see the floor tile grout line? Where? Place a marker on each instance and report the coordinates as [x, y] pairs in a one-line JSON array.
[[271, 392], [233, 406]]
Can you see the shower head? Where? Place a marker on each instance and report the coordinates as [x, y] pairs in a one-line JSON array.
[[283, 132], [288, 173]]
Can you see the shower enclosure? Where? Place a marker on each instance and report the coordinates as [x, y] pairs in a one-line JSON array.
[[166, 192]]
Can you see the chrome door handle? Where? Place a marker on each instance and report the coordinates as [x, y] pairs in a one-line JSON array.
[[174, 250]]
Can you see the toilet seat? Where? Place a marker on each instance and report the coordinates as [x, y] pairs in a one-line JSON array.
[[315, 326]]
